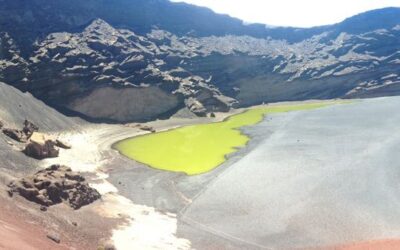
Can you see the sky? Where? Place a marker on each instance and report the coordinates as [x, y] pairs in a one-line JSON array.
[[296, 13]]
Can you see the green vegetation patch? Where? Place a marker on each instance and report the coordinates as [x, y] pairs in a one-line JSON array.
[[200, 148]]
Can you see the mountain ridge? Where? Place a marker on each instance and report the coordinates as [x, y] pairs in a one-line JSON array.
[[86, 65], [140, 15]]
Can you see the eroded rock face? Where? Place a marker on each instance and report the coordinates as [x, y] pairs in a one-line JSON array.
[[54, 185]]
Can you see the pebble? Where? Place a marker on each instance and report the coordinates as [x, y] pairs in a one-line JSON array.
[[54, 237]]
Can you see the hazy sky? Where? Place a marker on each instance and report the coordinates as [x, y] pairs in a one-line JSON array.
[[299, 13]]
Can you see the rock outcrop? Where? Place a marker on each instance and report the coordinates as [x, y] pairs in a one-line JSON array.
[[54, 185], [21, 135], [39, 146]]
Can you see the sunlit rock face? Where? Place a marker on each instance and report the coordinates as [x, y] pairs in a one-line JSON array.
[[141, 60]]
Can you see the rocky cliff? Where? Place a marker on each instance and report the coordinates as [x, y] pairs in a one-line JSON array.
[[132, 61]]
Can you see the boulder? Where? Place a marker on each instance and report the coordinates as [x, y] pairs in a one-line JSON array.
[[39, 138], [54, 185], [41, 151], [1, 124], [82, 195], [148, 128]]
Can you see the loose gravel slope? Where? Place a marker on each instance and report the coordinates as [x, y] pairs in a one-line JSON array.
[[316, 178]]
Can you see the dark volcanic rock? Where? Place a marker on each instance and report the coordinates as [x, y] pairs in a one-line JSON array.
[[54, 237], [41, 151], [21, 135], [111, 74], [109, 246], [111, 62], [16, 134], [148, 128], [160, 72], [82, 195], [29, 128], [54, 185], [13, 67]]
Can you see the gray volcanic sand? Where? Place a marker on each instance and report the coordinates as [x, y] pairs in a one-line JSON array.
[[315, 178]]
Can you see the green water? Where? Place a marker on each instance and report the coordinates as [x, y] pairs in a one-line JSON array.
[[200, 148]]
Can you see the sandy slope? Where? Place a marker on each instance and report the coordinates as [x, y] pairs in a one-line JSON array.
[[371, 245], [316, 178], [15, 107], [19, 232]]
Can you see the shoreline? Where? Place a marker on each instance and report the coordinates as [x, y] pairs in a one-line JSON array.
[[258, 117], [92, 154]]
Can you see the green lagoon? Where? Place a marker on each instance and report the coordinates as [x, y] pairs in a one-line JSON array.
[[197, 149]]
